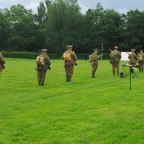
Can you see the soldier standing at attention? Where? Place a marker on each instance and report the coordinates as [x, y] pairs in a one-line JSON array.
[[43, 64], [2, 62], [141, 60], [115, 57], [70, 58], [132, 57], [93, 58]]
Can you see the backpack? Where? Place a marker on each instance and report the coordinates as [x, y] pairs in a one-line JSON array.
[[67, 56], [40, 60]]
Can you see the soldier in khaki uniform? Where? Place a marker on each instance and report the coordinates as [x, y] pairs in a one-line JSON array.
[[70, 58], [141, 60], [2, 62], [115, 57], [132, 57], [43, 64], [93, 58]]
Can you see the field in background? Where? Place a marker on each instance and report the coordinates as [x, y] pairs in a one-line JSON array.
[[86, 111]]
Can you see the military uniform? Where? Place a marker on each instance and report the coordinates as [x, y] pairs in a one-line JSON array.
[[2, 62], [42, 68], [132, 57], [141, 60], [115, 57], [69, 63], [93, 58]]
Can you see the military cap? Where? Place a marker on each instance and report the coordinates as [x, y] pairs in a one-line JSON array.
[[132, 49], [95, 49], [69, 46], [115, 47], [44, 50]]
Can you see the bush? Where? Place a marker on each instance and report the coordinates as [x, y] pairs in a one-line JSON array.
[[27, 55]]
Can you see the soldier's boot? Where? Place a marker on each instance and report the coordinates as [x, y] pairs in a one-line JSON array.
[[70, 78], [93, 75], [67, 78], [42, 83], [113, 72]]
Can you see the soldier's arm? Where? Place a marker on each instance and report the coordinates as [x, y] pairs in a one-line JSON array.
[[47, 60]]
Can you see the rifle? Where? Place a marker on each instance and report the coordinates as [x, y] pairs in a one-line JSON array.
[[110, 50], [127, 53]]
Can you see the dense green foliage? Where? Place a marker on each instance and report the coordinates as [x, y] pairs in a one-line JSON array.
[[86, 111], [60, 22]]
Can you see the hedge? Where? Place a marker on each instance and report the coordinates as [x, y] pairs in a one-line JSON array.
[[32, 55]]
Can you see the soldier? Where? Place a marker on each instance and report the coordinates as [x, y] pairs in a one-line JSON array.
[[132, 57], [93, 58], [70, 58], [2, 62], [141, 60], [43, 64], [115, 57]]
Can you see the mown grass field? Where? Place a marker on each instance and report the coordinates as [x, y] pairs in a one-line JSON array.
[[86, 111]]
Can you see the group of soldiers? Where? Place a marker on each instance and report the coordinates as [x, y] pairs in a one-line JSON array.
[[115, 57], [43, 62]]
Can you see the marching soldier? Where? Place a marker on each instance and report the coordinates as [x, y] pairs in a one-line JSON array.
[[43, 64], [70, 58], [2, 62], [115, 57], [93, 58], [141, 60]]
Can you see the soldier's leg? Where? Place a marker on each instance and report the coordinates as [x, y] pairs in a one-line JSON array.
[[93, 71], [66, 73], [113, 69], [117, 69], [43, 77], [39, 78], [140, 67], [70, 73]]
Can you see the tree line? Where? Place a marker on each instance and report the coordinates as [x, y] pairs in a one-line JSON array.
[[60, 22]]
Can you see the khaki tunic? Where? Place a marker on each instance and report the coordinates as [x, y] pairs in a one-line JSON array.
[[132, 58]]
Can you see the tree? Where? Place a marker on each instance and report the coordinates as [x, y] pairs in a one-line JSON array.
[[135, 29], [23, 27], [63, 24], [112, 29]]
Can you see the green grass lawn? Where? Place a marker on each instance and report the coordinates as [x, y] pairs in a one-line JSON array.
[[86, 111]]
